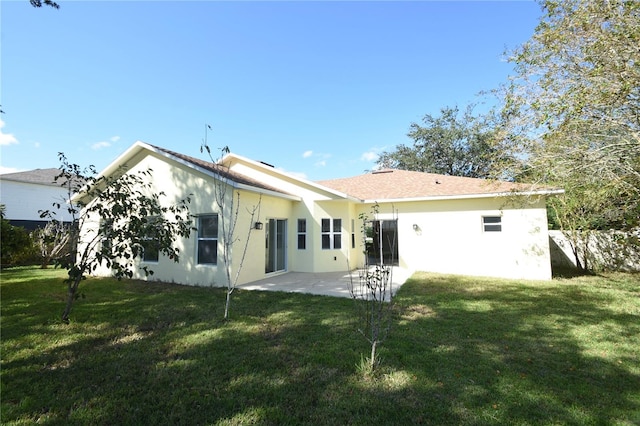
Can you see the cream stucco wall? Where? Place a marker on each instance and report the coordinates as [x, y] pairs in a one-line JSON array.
[[177, 182], [449, 237]]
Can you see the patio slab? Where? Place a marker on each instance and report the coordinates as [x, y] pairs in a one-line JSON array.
[[334, 284]]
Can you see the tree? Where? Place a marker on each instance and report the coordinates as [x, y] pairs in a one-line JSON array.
[[116, 220], [450, 144], [572, 111], [52, 241], [228, 202], [16, 245], [373, 295], [40, 3]]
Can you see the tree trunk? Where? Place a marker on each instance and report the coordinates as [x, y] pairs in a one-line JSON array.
[[71, 295], [226, 305], [373, 355]]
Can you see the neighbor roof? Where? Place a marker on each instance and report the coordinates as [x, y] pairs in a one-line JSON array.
[[37, 176], [392, 184]]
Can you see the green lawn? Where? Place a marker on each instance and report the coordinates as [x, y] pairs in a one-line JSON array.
[[462, 351]]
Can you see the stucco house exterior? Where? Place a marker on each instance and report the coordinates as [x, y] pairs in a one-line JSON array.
[[423, 222], [24, 194]]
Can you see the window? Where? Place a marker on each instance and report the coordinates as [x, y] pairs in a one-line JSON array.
[[150, 252], [207, 239], [331, 233], [353, 233], [492, 223], [302, 234]]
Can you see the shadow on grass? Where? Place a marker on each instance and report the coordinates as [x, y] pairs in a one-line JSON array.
[[461, 352], [524, 353]]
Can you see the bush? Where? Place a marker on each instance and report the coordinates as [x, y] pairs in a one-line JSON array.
[[16, 246]]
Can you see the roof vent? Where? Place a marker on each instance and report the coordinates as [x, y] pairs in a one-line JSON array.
[[438, 182], [379, 172]]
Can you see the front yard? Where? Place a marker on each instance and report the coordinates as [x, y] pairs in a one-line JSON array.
[[461, 351]]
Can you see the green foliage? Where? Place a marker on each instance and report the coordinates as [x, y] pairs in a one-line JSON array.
[[16, 246], [465, 351], [572, 113], [40, 3], [449, 144], [53, 241], [115, 217]]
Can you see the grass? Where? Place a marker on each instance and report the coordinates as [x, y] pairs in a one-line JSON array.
[[462, 351]]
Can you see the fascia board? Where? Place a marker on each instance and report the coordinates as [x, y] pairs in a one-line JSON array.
[[467, 196]]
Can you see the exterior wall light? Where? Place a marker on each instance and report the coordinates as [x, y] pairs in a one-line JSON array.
[[258, 225]]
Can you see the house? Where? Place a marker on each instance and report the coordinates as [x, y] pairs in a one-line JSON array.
[[417, 221], [24, 194]]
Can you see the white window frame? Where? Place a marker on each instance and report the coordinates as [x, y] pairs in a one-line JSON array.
[[330, 233], [492, 224], [200, 238], [156, 259], [302, 233]]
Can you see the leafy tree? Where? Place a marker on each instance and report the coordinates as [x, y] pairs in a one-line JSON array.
[[15, 242], [52, 241], [451, 143], [228, 202], [116, 219], [573, 113], [40, 3]]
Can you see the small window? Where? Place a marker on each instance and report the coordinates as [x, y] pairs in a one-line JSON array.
[[353, 233], [302, 234], [150, 251], [492, 223], [208, 239], [331, 233]]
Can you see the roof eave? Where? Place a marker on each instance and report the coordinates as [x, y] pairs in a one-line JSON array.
[[468, 196], [265, 191], [274, 170]]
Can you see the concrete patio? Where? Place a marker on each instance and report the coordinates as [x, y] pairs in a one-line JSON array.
[[326, 283]]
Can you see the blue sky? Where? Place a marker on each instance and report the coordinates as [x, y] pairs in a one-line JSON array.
[[314, 88]]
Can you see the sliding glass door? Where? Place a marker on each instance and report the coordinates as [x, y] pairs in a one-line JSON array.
[[382, 242], [275, 244]]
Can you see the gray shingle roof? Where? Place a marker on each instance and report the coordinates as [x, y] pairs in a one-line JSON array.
[[222, 171], [37, 176]]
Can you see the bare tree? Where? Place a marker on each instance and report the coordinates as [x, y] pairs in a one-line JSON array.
[[373, 292], [52, 240], [228, 202]]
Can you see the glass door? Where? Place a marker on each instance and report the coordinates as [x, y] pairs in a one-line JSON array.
[[275, 244], [382, 242]]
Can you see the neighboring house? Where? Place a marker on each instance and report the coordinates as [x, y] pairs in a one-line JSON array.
[[439, 223], [24, 194]]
